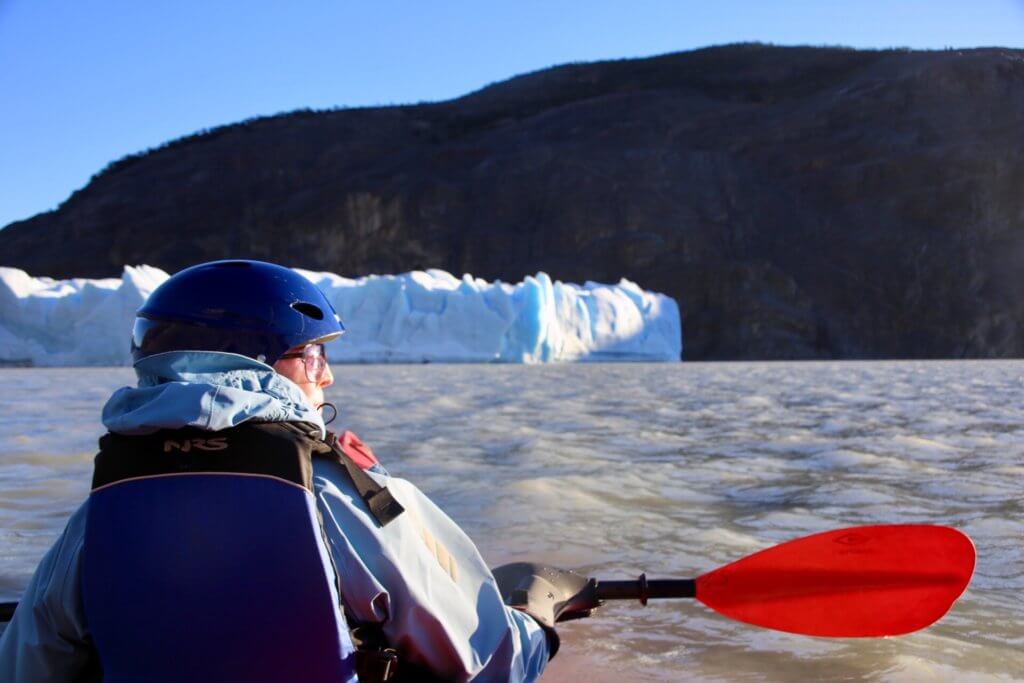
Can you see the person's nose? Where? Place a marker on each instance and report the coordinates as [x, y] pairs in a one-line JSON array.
[[328, 377]]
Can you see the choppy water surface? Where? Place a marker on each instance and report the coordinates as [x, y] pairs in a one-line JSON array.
[[673, 470]]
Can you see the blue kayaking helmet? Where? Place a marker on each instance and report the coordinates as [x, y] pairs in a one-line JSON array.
[[252, 308]]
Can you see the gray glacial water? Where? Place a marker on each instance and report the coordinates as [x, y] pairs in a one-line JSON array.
[[669, 469]]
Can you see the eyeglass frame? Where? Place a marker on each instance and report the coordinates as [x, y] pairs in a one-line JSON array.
[[309, 361]]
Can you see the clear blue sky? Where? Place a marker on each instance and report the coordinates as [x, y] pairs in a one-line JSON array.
[[85, 82]]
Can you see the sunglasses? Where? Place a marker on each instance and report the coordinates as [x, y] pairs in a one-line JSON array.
[[314, 358]]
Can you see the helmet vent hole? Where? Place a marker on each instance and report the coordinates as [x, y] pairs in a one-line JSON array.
[[309, 310]]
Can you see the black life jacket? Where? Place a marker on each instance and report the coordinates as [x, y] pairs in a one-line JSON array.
[[205, 560]]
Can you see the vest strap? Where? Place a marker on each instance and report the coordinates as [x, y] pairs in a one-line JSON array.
[[378, 499]]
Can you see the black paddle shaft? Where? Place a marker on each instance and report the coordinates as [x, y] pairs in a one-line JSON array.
[[643, 590]]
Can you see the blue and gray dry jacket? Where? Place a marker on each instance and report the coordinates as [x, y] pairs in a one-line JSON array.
[[419, 578]]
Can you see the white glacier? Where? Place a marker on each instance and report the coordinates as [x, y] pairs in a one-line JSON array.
[[422, 316]]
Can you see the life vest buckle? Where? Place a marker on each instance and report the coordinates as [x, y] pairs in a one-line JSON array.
[[377, 665]]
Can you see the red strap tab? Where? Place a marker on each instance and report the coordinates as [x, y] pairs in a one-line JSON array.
[[357, 450]]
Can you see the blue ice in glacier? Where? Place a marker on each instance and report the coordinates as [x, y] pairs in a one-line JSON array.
[[422, 316]]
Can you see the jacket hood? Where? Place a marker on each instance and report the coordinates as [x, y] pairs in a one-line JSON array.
[[205, 389]]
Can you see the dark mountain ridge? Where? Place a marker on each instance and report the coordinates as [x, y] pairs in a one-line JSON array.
[[797, 202]]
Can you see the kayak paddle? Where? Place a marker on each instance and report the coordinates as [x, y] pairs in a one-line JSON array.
[[867, 581], [860, 582]]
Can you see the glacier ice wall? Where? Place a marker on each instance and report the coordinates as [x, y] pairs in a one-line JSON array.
[[71, 322], [422, 316]]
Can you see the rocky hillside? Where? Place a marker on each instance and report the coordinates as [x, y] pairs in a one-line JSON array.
[[797, 202]]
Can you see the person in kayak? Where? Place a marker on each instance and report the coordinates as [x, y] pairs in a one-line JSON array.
[[233, 352]]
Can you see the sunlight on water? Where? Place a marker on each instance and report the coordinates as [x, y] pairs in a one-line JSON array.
[[669, 469]]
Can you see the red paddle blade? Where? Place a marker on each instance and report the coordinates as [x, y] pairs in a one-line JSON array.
[[865, 581]]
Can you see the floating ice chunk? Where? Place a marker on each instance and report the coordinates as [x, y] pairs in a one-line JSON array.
[[422, 316]]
